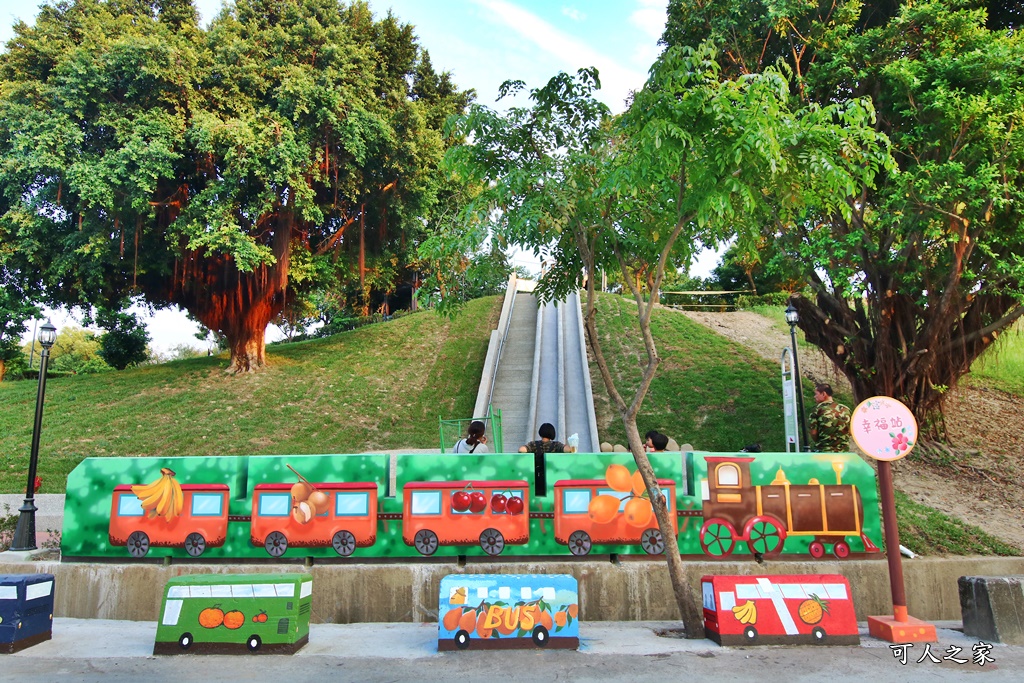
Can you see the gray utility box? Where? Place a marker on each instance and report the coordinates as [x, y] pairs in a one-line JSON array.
[[993, 608]]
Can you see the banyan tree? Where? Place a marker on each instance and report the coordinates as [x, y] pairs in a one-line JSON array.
[[226, 170]]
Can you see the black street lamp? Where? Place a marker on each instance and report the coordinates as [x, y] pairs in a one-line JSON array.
[[25, 533], [792, 317]]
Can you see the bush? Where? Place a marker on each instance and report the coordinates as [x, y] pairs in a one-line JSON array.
[[125, 342], [747, 301]]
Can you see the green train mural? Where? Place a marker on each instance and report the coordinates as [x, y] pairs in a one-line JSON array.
[[348, 507]]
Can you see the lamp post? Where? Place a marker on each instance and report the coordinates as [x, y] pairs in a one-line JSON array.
[[792, 317], [25, 533]]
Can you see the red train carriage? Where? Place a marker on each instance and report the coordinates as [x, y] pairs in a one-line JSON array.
[[345, 518], [437, 513], [763, 516], [573, 526], [202, 523], [781, 609]]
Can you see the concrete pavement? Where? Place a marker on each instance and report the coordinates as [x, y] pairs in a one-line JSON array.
[[110, 651]]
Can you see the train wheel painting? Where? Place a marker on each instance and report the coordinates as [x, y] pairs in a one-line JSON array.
[[652, 542], [717, 538], [841, 549], [138, 544], [344, 543], [276, 544], [426, 542], [765, 535], [195, 544], [492, 541], [816, 549], [579, 543]]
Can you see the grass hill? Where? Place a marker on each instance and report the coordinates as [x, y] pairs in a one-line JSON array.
[[383, 387]]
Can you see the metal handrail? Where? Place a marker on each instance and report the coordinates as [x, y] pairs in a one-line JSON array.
[[501, 345]]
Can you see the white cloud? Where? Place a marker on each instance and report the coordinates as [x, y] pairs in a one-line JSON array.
[[573, 13], [650, 18], [570, 53]]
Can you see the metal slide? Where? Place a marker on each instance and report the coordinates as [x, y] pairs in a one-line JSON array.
[[537, 370]]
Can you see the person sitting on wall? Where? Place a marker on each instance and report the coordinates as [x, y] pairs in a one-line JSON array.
[[648, 444], [475, 441], [829, 422], [546, 444]]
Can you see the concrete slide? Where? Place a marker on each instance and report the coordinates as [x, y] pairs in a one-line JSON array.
[[536, 370]]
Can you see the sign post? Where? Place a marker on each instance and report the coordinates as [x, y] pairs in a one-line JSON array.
[[886, 430], [789, 406]]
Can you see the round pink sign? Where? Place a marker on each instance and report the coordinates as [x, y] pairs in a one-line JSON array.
[[883, 428]]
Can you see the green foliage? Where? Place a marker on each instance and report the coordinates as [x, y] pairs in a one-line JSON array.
[[1002, 365], [124, 343], [76, 351], [289, 146], [908, 282], [775, 299]]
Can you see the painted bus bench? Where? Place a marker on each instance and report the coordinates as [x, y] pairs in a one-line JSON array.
[[26, 610], [787, 609], [508, 611], [229, 613]]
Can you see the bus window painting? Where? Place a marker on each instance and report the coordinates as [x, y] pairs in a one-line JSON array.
[[26, 610], [779, 610], [508, 611], [575, 528], [227, 613], [202, 523], [346, 520], [432, 514]]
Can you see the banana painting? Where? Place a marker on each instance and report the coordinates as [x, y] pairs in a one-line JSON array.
[[163, 497], [746, 613]]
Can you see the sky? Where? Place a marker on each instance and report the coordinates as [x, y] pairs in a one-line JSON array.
[[484, 43]]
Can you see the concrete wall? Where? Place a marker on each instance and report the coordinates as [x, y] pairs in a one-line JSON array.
[[631, 590]]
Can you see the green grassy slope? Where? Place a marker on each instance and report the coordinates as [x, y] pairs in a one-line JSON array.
[[708, 392], [374, 388]]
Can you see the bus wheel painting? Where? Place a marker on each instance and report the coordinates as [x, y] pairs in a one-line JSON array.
[[344, 543], [138, 544], [540, 636], [276, 544], [750, 635], [492, 541], [765, 535], [717, 538], [461, 640], [818, 633], [425, 542], [253, 643], [195, 544], [579, 543], [652, 542], [185, 641]]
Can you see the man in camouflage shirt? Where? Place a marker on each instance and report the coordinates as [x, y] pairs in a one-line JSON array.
[[829, 422]]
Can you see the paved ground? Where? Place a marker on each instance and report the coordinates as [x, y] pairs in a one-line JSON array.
[[110, 651]]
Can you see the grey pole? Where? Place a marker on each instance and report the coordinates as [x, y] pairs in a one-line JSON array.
[[792, 317]]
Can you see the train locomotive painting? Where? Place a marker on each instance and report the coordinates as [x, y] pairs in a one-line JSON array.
[[414, 506]]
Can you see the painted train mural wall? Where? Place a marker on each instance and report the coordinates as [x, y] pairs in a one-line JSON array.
[[347, 507]]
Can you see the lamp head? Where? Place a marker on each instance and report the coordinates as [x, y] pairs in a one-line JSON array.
[[792, 317], [47, 334]]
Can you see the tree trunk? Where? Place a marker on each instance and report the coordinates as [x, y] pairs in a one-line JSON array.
[[689, 611], [3, 369], [238, 304]]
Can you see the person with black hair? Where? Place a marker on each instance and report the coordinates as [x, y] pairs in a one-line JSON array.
[[546, 444], [475, 441], [659, 442]]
